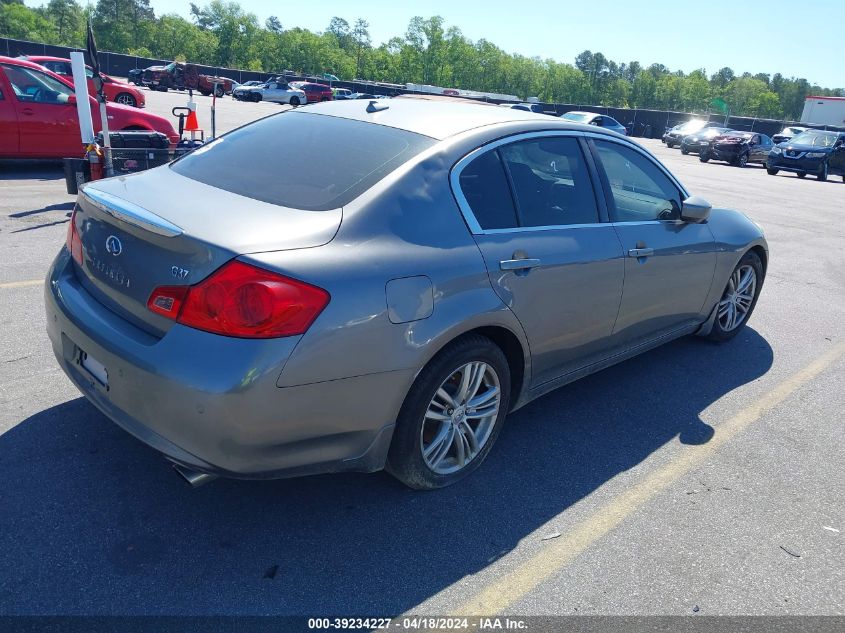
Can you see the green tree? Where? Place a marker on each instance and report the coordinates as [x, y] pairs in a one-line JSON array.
[[67, 19]]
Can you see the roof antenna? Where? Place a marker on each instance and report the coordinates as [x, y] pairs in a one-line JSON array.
[[375, 106]]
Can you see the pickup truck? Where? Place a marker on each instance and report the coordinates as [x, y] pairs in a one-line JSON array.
[[175, 75]]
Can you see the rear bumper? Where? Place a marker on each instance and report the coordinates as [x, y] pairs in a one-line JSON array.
[[211, 403]]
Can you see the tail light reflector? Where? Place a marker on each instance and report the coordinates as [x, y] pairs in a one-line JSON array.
[[243, 301], [73, 242]]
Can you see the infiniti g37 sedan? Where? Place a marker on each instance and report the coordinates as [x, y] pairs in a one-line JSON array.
[[384, 305]]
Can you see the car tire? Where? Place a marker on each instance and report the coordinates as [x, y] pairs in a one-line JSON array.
[[446, 441], [732, 313], [126, 99], [771, 171], [742, 160], [704, 157], [256, 97], [669, 145], [822, 174], [294, 101], [684, 150], [219, 92], [801, 174]]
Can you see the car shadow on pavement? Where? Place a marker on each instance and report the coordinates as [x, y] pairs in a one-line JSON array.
[[61, 206], [93, 522], [31, 170]]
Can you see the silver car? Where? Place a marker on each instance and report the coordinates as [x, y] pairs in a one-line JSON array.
[[386, 302]]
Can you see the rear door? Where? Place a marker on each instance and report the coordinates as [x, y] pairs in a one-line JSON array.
[[47, 123], [669, 264], [9, 138], [531, 205]]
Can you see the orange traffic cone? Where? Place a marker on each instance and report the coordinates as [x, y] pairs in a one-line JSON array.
[[191, 124]]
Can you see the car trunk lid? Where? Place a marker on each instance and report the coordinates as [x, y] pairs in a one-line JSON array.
[[158, 228]]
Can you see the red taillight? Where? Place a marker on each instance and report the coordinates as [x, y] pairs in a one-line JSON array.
[[244, 301], [73, 243]]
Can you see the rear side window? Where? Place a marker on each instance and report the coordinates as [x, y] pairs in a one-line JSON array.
[[551, 182], [485, 187], [301, 160]]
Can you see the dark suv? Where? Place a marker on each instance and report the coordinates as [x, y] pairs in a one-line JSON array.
[[811, 152]]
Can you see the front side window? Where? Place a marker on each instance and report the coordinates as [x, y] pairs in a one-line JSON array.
[[640, 191], [34, 86], [551, 182]]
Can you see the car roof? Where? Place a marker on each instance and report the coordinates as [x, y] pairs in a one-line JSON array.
[[435, 118], [17, 61], [44, 58]]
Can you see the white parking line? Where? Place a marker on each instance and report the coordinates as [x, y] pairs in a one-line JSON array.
[[21, 284]]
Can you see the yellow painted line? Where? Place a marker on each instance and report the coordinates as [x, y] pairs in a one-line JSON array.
[[555, 554], [22, 284]]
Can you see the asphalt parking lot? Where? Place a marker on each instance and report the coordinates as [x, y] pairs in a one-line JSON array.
[[696, 479]]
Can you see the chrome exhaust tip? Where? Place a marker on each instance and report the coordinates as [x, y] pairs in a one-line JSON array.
[[194, 478]]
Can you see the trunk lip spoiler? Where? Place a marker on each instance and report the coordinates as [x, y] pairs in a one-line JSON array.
[[130, 212]]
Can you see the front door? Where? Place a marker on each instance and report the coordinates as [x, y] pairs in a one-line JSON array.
[[48, 123], [669, 264], [535, 217], [8, 120], [836, 164]]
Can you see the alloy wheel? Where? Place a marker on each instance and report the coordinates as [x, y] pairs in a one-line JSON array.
[[737, 298], [460, 418], [125, 99]]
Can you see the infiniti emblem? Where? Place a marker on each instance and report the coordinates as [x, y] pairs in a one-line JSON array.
[[113, 245]]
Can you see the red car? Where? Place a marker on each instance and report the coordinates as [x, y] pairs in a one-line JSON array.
[[314, 92], [38, 115], [115, 91]]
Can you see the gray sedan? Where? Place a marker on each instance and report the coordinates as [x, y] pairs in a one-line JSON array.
[[253, 314]]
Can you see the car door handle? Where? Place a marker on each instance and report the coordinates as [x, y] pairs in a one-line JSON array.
[[640, 252], [28, 111], [519, 264]]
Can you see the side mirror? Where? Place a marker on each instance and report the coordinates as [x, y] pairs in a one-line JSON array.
[[695, 210]]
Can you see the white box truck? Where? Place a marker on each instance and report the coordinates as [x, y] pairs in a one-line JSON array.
[[824, 111]]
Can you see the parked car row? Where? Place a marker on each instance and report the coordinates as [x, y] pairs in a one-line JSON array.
[[801, 150], [39, 119]]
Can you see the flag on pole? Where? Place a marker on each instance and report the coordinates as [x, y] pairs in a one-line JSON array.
[[94, 61], [720, 105]]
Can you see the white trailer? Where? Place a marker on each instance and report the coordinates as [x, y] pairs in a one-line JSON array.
[[824, 111]]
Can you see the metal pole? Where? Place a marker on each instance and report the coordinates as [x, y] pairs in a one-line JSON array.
[[214, 110], [108, 166]]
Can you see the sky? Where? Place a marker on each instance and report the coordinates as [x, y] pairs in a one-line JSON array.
[[746, 35]]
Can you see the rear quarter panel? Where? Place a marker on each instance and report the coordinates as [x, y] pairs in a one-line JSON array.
[[408, 225]]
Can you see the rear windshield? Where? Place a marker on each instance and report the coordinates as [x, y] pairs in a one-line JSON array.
[[301, 160], [580, 118]]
